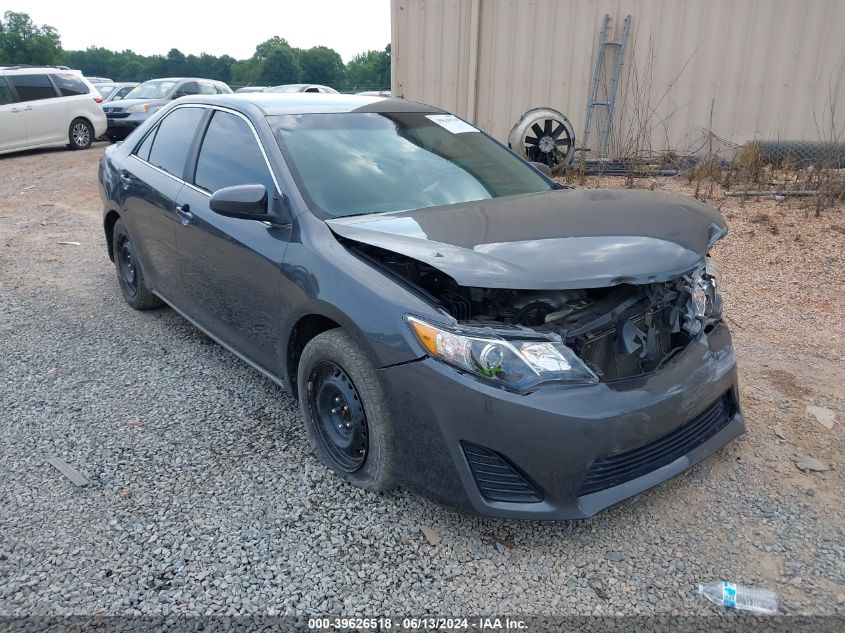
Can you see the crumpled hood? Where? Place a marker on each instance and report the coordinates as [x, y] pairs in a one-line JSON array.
[[584, 238]]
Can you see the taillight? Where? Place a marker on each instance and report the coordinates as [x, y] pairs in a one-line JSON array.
[[98, 99]]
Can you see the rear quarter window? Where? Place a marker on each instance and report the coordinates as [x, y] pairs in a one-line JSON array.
[[70, 85], [33, 87]]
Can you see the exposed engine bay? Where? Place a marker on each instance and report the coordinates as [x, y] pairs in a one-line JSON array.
[[618, 332]]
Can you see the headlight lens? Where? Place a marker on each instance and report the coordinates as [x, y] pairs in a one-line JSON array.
[[517, 363], [141, 107]]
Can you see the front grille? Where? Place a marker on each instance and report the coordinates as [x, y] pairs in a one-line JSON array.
[[603, 351], [116, 115], [611, 471], [498, 479]]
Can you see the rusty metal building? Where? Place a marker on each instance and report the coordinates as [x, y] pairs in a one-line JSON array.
[[743, 69]]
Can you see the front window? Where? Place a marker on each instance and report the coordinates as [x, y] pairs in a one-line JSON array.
[[363, 162], [156, 89]]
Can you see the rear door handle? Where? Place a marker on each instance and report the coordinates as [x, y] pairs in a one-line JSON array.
[[28, 108], [184, 211], [15, 110]]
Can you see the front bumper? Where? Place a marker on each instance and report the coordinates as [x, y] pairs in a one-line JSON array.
[[121, 127], [552, 437]]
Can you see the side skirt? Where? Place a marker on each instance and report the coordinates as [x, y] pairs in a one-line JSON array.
[[266, 372]]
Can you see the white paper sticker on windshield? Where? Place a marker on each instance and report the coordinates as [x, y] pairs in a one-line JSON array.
[[451, 123]]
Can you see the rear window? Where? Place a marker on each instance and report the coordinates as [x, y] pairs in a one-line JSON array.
[[33, 87], [173, 140], [70, 85], [5, 92]]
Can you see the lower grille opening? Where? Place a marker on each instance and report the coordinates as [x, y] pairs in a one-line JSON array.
[[497, 478], [607, 472]]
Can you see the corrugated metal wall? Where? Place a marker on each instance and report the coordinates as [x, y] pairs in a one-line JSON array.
[[766, 68]]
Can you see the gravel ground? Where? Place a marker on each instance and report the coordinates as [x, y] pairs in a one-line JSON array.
[[203, 498]]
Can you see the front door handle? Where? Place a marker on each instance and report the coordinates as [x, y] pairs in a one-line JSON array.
[[15, 110], [184, 211], [28, 108]]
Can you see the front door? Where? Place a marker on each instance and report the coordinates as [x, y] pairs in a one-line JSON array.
[[231, 268]]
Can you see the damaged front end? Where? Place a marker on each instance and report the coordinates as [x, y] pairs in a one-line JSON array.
[[519, 339]]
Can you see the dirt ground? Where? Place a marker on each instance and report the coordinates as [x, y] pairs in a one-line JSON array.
[[784, 289]]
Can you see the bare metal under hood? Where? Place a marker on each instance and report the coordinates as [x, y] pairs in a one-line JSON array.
[[552, 240]]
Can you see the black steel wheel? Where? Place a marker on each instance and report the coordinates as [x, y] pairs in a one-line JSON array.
[[126, 265], [345, 410], [339, 415], [130, 274]]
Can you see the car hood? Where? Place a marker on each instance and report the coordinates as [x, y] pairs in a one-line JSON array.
[[557, 239], [119, 106]]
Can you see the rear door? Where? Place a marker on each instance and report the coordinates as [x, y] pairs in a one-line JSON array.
[[151, 180], [231, 268], [12, 119], [44, 109]]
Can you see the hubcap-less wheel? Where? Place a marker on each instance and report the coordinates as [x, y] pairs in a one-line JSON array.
[[81, 134], [339, 416], [127, 265]]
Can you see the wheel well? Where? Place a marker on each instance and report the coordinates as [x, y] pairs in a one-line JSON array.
[[305, 329], [111, 219], [82, 118]]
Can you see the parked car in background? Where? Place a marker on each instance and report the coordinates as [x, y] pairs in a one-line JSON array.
[[99, 80], [302, 88], [115, 91], [251, 89], [374, 93], [146, 98], [47, 105], [448, 317]]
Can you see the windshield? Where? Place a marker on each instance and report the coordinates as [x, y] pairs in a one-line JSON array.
[[104, 90], [365, 162], [157, 89]]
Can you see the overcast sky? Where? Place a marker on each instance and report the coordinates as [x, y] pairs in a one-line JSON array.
[[214, 26]]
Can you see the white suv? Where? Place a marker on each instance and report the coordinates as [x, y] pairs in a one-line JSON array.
[[48, 105]]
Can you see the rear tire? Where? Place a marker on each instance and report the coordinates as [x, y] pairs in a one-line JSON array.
[[80, 134], [129, 274], [345, 411]]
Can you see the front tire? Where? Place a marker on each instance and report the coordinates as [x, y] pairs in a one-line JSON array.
[[345, 411], [80, 134], [132, 283]]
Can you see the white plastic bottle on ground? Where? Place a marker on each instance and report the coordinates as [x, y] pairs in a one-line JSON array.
[[734, 596]]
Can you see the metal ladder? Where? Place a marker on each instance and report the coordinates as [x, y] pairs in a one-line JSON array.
[[592, 100]]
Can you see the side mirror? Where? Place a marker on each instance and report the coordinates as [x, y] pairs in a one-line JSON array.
[[248, 202]]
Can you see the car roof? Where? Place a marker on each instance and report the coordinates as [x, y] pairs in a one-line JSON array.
[[24, 69], [274, 103], [214, 81]]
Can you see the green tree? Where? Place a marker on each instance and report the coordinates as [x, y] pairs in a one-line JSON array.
[[322, 65], [280, 67], [369, 71], [24, 42]]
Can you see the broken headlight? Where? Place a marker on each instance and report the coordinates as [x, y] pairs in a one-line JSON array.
[[705, 303], [515, 362]]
